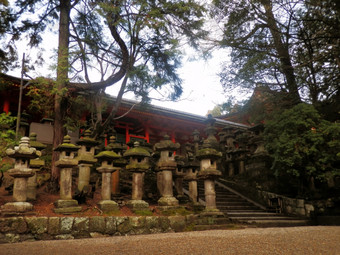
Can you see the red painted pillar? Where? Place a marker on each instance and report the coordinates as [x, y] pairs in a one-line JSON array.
[[147, 135], [173, 137], [6, 106], [127, 136]]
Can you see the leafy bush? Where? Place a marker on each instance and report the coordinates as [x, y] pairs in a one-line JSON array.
[[7, 137], [304, 147]]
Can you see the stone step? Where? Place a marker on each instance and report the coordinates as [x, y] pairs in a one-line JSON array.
[[212, 221], [232, 203], [216, 227], [238, 207], [224, 197], [252, 214], [275, 223], [261, 218]]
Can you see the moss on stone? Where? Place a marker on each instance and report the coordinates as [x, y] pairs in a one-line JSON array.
[[208, 153], [136, 166], [143, 212], [137, 151], [176, 211]]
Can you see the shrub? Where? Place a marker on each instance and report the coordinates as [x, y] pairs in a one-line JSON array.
[[304, 147]]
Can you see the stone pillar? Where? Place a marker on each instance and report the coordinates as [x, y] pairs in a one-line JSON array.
[[179, 177], [167, 165], [242, 138], [191, 176], [119, 149], [106, 185], [36, 165], [210, 194], [85, 159], [138, 164], [208, 157], [66, 162], [137, 186], [241, 166], [21, 172], [107, 159], [20, 186]]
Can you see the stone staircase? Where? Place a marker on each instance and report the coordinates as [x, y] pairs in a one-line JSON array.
[[240, 209]]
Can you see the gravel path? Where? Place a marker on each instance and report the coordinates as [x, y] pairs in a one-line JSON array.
[[295, 240]]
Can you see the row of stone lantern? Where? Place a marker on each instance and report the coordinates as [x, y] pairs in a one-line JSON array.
[[113, 160], [241, 147]]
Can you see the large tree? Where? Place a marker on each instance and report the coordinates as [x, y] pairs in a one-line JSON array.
[[119, 39], [287, 45]]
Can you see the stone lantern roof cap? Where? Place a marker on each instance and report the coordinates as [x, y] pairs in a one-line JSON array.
[[114, 145], [107, 155], [34, 143], [166, 144], [180, 160], [137, 151], [67, 145], [208, 153], [24, 150], [87, 139]]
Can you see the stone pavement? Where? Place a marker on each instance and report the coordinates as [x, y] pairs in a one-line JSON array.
[[294, 240]]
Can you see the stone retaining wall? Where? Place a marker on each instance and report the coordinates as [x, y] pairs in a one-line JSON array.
[[18, 229], [290, 206]]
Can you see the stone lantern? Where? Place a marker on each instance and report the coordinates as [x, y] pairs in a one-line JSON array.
[[119, 149], [36, 164], [107, 160], [259, 160], [208, 157], [196, 139], [66, 162], [178, 179], [191, 167], [138, 164], [85, 159], [21, 172], [230, 149], [242, 138], [166, 166]]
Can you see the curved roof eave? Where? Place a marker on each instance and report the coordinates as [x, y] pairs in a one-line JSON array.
[[180, 114]]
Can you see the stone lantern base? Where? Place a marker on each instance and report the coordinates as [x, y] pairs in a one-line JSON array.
[[16, 208], [108, 206], [66, 206], [212, 213], [167, 203], [182, 199], [138, 205]]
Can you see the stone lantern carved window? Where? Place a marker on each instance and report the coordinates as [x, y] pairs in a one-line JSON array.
[[88, 148]]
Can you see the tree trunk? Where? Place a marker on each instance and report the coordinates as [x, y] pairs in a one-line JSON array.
[[60, 102], [282, 50]]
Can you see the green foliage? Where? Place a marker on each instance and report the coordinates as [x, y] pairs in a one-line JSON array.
[[286, 45], [7, 136], [42, 98], [42, 92], [230, 106], [303, 145]]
